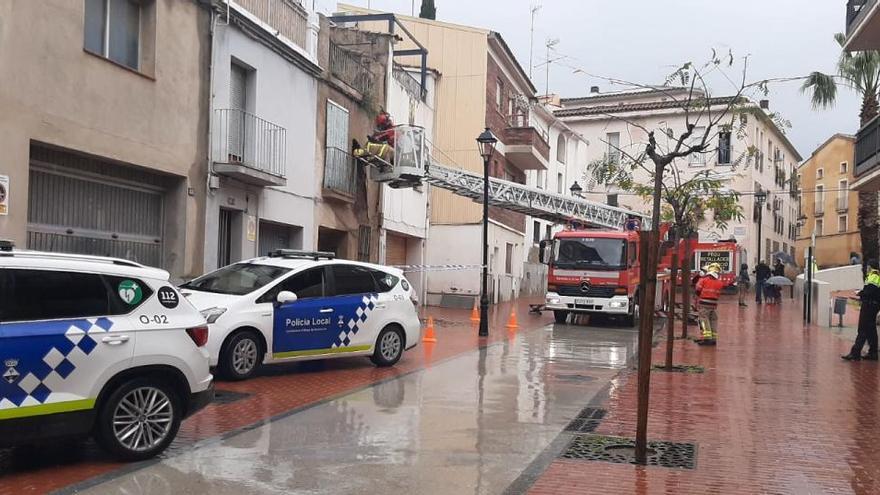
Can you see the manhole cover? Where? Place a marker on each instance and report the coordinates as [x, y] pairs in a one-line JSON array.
[[680, 368], [228, 396], [622, 451], [587, 421]]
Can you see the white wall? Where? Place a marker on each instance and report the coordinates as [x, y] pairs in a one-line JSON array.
[[284, 95]]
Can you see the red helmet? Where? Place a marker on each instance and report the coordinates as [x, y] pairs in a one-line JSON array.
[[383, 120]]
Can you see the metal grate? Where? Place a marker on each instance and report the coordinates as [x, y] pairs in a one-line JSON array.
[[620, 450], [575, 290], [228, 396], [587, 421]]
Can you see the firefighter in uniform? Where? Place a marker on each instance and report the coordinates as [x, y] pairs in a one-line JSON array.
[[870, 296], [708, 290]]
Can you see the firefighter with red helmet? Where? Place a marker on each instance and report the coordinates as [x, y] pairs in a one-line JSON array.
[[708, 291]]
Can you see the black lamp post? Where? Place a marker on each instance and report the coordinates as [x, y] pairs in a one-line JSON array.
[[760, 199], [576, 189], [486, 142]]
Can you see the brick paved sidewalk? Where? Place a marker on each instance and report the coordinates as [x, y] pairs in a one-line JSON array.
[[777, 411], [279, 389]]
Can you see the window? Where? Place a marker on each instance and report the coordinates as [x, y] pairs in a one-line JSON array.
[[536, 232], [724, 148], [499, 95], [540, 181], [560, 184], [385, 281], [70, 295], [820, 173], [309, 283], [819, 201], [843, 195], [112, 29], [352, 279], [697, 159], [841, 223], [844, 167], [238, 279], [613, 140], [508, 260], [548, 234], [820, 224], [364, 235], [560, 148], [633, 253]]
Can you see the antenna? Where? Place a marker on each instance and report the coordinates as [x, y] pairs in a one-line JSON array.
[[534, 9], [551, 42]]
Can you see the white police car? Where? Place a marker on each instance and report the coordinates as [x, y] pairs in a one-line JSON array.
[[100, 346], [296, 305]]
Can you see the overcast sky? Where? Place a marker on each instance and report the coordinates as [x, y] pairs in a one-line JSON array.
[[643, 40]]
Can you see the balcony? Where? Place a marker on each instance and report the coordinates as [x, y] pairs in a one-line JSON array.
[[818, 209], [352, 69], [340, 172], [525, 146], [862, 25], [248, 148], [867, 159], [842, 205], [287, 17]]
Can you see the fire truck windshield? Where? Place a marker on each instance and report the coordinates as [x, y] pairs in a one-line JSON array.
[[592, 252]]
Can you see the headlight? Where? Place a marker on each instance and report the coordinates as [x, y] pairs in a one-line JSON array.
[[617, 304], [552, 300], [211, 314]]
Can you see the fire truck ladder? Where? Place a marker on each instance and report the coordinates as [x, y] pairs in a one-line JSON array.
[[412, 165]]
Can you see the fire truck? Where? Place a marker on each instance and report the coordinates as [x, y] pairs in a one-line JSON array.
[[597, 271]]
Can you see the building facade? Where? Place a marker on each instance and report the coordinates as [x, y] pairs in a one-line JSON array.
[[263, 111], [828, 206], [104, 128], [760, 158], [863, 33]]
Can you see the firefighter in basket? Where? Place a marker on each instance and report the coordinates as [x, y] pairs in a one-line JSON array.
[[708, 290], [380, 144]]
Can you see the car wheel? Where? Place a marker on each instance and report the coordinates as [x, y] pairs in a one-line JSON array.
[[632, 319], [241, 356], [139, 419], [560, 316], [389, 347]]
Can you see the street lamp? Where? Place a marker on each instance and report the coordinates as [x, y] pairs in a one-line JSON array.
[[486, 142], [576, 189], [760, 199]]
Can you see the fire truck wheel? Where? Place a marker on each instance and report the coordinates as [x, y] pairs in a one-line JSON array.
[[560, 316], [632, 319]]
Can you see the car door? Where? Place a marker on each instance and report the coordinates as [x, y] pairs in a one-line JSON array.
[[355, 302], [57, 336], [304, 327]]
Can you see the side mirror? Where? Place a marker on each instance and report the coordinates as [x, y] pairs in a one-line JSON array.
[[545, 251], [285, 297]]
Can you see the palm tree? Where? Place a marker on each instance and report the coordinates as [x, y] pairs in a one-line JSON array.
[[859, 71]]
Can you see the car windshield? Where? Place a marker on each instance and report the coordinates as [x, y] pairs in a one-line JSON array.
[[592, 252], [238, 279]]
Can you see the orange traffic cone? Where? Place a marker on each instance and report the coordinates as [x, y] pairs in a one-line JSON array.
[[429, 332], [475, 314], [511, 323]]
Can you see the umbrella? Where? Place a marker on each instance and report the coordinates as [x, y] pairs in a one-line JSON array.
[[778, 281], [783, 257]]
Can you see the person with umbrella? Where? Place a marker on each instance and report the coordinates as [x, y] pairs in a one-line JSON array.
[[870, 297]]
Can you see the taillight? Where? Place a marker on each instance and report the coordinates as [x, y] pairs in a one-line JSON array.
[[199, 335]]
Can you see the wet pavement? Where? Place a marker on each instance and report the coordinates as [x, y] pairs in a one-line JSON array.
[[470, 424]]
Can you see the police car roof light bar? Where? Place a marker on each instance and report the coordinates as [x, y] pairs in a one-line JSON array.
[[295, 253]]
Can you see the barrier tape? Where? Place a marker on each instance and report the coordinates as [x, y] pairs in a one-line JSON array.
[[435, 268]]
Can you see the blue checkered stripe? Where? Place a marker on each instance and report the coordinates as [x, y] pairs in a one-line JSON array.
[[361, 314], [47, 354]]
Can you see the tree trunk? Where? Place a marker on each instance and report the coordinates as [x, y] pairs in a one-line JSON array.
[[867, 213], [686, 285], [670, 324]]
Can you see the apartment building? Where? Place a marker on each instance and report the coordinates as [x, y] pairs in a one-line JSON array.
[[829, 207], [760, 159], [863, 33], [263, 109], [104, 128]]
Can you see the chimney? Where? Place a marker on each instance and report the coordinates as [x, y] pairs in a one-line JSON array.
[[765, 104], [594, 90]]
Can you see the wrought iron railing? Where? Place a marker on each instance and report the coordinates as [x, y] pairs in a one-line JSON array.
[[410, 84], [867, 147], [340, 172], [288, 17], [243, 138], [351, 68], [842, 204]]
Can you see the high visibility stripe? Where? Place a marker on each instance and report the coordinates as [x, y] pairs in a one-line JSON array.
[[44, 409], [317, 352]]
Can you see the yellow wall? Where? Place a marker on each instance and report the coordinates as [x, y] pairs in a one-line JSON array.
[[460, 55], [832, 247]]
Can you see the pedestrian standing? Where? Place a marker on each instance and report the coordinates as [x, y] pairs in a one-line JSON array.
[[708, 291], [762, 273], [743, 282], [870, 297]]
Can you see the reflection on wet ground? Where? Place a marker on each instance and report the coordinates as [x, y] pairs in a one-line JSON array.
[[471, 424]]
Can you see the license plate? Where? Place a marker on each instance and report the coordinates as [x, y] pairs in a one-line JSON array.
[[583, 302]]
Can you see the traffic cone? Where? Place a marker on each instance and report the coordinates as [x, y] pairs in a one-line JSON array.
[[475, 314], [511, 322], [429, 332]]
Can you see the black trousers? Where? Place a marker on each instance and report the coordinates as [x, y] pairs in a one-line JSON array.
[[867, 329]]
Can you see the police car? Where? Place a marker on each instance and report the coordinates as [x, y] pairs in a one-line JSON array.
[[99, 346], [295, 305]]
